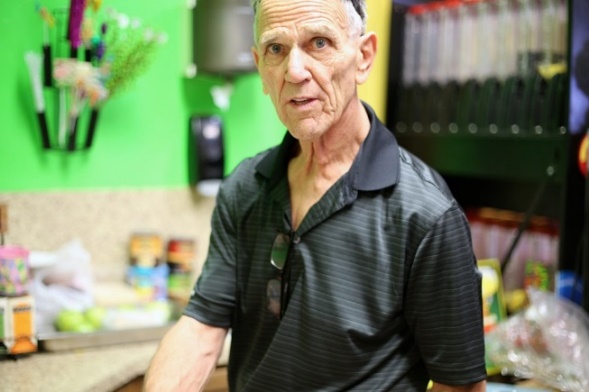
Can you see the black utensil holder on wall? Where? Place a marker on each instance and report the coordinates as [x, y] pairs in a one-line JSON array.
[[80, 129]]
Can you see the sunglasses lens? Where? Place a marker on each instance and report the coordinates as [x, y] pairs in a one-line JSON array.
[[279, 251]]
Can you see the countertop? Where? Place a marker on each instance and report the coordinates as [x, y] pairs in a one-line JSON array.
[[93, 369], [96, 369]]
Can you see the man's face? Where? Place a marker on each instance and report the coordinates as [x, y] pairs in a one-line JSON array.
[[307, 57]]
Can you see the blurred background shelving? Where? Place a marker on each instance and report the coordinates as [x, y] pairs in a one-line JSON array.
[[493, 95]]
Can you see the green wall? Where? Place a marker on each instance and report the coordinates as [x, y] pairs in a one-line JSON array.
[[142, 134]]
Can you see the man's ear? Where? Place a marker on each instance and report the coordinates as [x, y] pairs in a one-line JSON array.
[[257, 62], [366, 54]]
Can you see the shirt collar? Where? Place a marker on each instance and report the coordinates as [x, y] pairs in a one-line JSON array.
[[375, 167]]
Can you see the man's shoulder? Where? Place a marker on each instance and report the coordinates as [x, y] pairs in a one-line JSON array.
[[422, 181]]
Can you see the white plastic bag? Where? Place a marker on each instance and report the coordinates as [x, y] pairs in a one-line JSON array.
[[64, 284], [549, 341]]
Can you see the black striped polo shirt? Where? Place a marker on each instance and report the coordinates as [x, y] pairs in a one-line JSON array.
[[385, 293]]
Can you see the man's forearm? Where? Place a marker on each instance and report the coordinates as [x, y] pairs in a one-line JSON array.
[[186, 358]]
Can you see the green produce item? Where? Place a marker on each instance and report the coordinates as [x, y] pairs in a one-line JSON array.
[[95, 316], [69, 320], [90, 320]]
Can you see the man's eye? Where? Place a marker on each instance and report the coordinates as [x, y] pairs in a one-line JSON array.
[[320, 43], [275, 49]]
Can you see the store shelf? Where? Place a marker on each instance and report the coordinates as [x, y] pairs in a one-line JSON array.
[[491, 156]]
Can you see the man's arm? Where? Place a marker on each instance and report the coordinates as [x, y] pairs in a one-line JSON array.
[[186, 357], [477, 387]]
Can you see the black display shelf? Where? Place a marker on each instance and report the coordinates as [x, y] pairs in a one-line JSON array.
[[487, 156]]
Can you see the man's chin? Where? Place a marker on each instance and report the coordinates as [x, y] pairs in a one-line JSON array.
[[305, 134], [306, 129]]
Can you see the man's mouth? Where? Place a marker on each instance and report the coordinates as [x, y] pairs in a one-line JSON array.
[[301, 101]]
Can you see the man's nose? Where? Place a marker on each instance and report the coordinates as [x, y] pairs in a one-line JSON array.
[[296, 67]]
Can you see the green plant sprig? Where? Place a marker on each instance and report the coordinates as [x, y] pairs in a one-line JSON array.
[[129, 53]]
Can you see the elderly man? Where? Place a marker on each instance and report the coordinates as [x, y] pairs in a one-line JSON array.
[[339, 261]]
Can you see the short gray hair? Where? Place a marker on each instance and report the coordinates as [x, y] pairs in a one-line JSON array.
[[356, 11]]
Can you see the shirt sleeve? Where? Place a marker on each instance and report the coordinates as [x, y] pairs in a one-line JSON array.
[[213, 297], [443, 302]]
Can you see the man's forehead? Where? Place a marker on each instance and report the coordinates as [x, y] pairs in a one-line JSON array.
[[319, 28], [278, 17], [273, 12]]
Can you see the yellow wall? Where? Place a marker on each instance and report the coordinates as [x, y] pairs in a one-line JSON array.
[[374, 91]]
